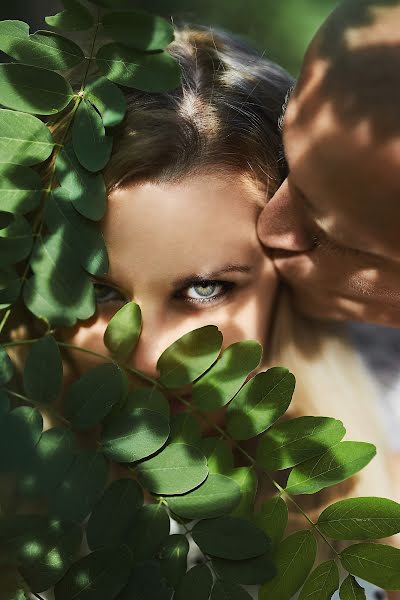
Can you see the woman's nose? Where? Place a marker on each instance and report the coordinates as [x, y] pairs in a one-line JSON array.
[[147, 352], [283, 223]]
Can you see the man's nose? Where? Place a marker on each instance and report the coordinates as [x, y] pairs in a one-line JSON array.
[[283, 223]]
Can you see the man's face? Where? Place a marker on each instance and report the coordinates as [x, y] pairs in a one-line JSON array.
[[335, 223]]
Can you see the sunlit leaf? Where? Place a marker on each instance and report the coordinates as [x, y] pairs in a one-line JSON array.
[[146, 583], [219, 385], [322, 583], [231, 538], [42, 49], [20, 188], [377, 563], [228, 591], [85, 190], [246, 479], [273, 518], [80, 236], [360, 519], [337, 464], [81, 487], [179, 468], [89, 399], [138, 29], [217, 496], [24, 139], [92, 146], [173, 556], [75, 17], [43, 371], [292, 442], [114, 513], [189, 356], [149, 530], [196, 584], [293, 560], [6, 367], [33, 90], [123, 331], [60, 291], [260, 403], [20, 431], [132, 436], [99, 576], [108, 99], [253, 571], [149, 72], [185, 428], [218, 453], [16, 241], [351, 590]]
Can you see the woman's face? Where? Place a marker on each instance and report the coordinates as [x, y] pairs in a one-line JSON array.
[[189, 255]]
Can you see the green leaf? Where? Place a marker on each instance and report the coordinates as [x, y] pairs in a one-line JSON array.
[[377, 563], [43, 372], [150, 72], [51, 555], [288, 444], [150, 398], [75, 17], [6, 367], [260, 403], [15, 532], [90, 398], [10, 287], [177, 469], [173, 557], [114, 513], [146, 583], [85, 190], [24, 139], [4, 401], [246, 479], [322, 583], [294, 560], [20, 188], [225, 378], [360, 519], [52, 457], [16, 241], [231, 538], [185, 428], [60, 292], [108, 99], [33, 90], [149, 530], [92, 146], [218, 453], [79, 236], [196, 584], [81, 487], [99, 576], [337, 464], [253, 571], [217, 496], [350, 590], [42, 49], [138, 29], [123, 331], [133, 436], [20, 431], [273, 519], [228, 591], [189, 356]]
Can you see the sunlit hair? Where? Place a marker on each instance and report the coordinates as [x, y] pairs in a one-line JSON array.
[[225, 116]]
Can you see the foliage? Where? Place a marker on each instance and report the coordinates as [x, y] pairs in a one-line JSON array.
[[50, 246]]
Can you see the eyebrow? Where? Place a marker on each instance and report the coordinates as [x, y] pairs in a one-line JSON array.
[[200, 277]]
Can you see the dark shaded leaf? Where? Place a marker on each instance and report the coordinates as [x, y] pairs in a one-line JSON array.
[[75, 17], [273, 519], [43, 372], [138, 29], [146, 583], [16, 241], [148, 532], [20, 188], [173, 556], [253, 571], [20, 431], [218, 453], [92, 146], [196, 584], [246, 479], [185, 428], [150, 398], [10, 287], [108, 99], [228, 591], [6, 367]]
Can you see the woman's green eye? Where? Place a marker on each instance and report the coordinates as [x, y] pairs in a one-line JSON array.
[[104, 293], [205, 290]]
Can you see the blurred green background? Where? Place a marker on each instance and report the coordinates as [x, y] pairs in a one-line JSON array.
[[280, 28]]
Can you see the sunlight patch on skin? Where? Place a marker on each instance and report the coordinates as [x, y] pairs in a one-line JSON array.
[[383, 31]]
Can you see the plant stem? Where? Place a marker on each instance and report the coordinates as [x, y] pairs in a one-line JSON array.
[[50, 408]]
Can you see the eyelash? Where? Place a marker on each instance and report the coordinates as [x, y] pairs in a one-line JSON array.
[[227, 287]]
